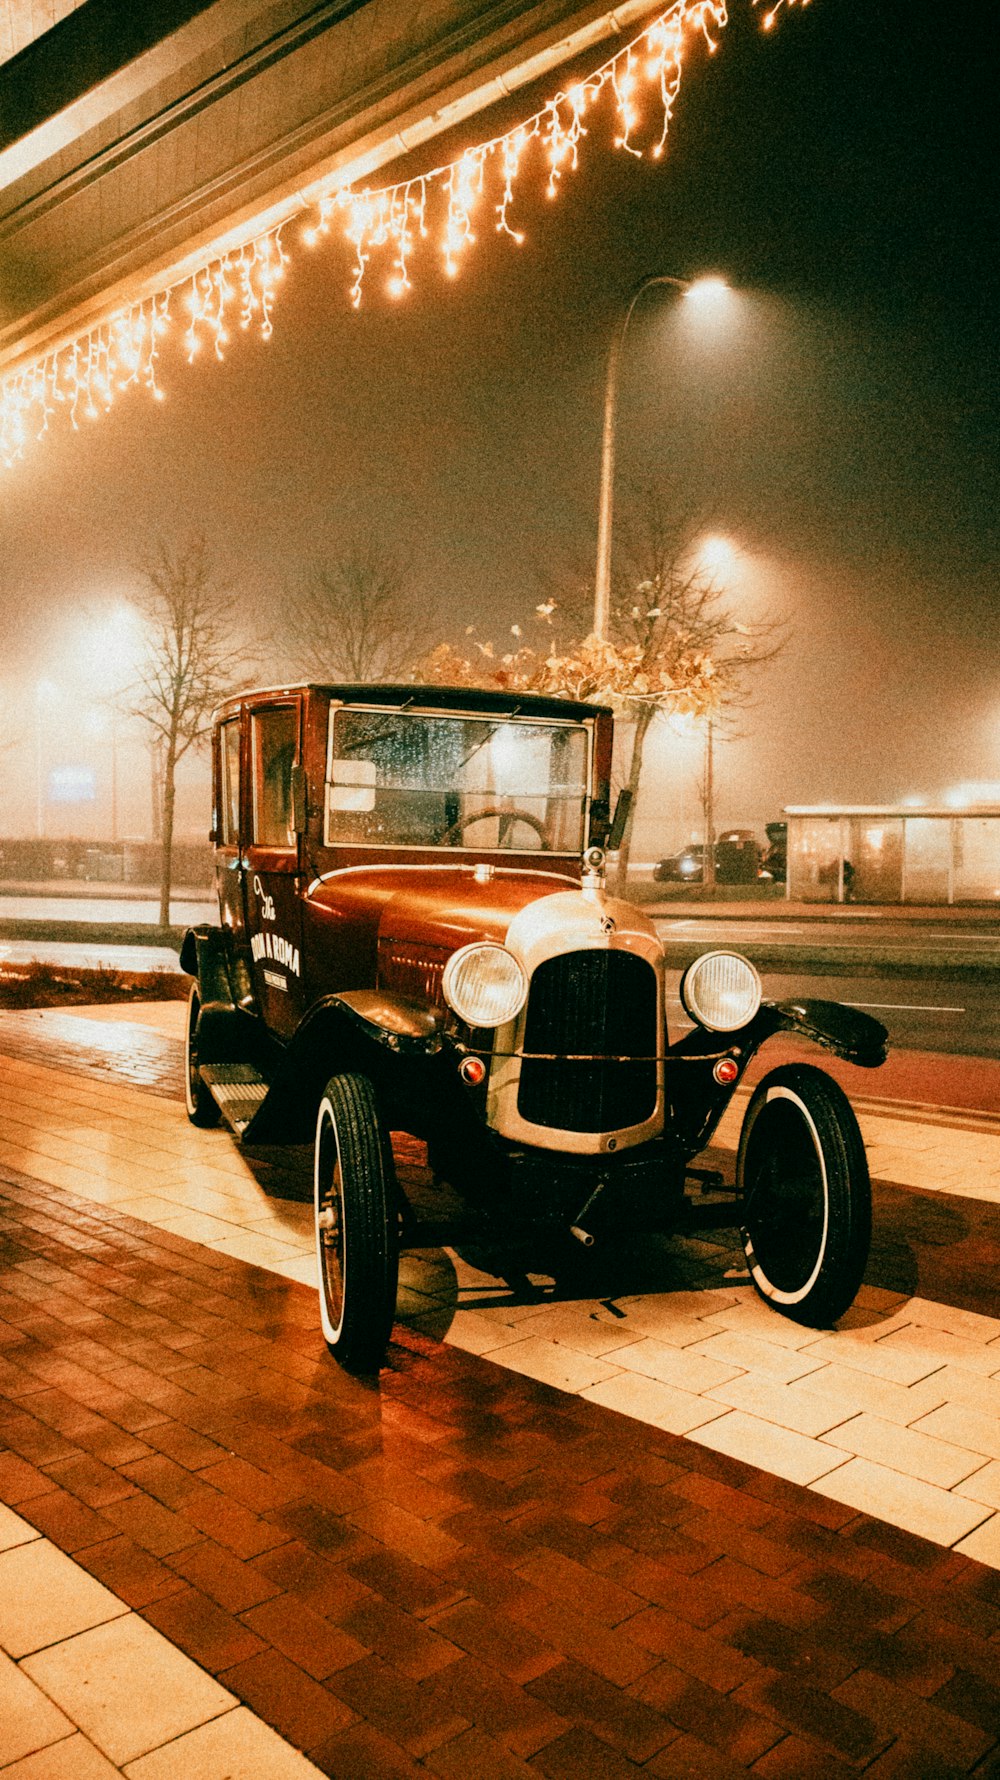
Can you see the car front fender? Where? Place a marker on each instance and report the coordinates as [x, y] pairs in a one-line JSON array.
[[384, 1036], [847, 1031], [395, 1020], [698, 1099]]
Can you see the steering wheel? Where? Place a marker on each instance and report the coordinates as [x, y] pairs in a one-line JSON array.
[[507, 819]]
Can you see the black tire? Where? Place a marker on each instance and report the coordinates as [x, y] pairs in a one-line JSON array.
[[201, 1108], [805, 1191], [357, 1235]]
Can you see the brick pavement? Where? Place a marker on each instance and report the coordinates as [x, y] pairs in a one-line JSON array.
[[107, 1049], [463, 1572], [898, 1410]]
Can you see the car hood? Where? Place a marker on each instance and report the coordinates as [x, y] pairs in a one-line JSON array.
[[406, 921]]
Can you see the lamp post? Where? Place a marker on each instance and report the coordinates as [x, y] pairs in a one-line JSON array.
[[602, 578], [109, 653], [114, 778], [45, 691]]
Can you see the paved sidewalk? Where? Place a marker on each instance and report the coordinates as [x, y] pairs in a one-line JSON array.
[[897, 1411], [461, 1573], [480, 1568], [74, 1656]]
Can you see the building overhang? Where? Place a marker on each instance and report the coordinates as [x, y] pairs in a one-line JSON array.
[[137, 142]]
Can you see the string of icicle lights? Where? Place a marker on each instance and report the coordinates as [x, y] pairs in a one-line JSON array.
[[82, 379]]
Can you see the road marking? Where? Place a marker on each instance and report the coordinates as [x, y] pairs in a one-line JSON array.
[[845, 945], [894, 1007], [727, 926], [906, 1007], [715, 929]]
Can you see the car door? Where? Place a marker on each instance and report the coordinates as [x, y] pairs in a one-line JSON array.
[[229, 876], [271, 858]]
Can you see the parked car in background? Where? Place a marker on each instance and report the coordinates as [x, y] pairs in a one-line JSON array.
[[737, 860], [414, 935]]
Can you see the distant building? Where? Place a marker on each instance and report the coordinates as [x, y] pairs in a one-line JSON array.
[[870, 853]]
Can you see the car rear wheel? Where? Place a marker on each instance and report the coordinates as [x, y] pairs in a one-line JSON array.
[[802, 1176], [201, 1108], [357, 1240]]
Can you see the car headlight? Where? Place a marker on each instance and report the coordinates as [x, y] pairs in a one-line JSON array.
[[484, 985], [720, 990]]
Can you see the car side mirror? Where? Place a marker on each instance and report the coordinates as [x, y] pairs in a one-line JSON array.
[[300, 800], [617, 830]]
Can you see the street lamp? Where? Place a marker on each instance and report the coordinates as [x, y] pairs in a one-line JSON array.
[[45, 692], [697, 290], [101, 721], [109, 657]]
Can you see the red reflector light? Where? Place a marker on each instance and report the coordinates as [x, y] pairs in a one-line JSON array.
[[726, 1071], [472, 1071]]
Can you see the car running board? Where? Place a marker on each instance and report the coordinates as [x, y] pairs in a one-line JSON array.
[[237, 1089]]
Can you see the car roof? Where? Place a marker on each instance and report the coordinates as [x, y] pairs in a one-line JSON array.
[[444, 698]]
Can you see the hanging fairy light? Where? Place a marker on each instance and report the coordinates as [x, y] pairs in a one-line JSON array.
[[82, 379], [385, 217], [776, 5]]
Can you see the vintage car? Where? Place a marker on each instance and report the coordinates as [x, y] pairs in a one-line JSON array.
[[415, 936]]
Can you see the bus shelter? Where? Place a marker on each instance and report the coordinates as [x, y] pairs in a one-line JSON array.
[[893, 855]]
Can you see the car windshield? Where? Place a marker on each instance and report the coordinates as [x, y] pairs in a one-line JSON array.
[[419, 779]]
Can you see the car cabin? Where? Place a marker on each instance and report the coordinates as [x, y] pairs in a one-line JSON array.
[[312, 782]]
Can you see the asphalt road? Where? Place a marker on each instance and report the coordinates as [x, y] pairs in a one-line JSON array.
[[927, 1011], [978, 934], [920, 1013]]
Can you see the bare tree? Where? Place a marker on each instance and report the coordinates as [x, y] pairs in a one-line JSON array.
[[188, 666], [668, 605], [675, 646], [357, 616]]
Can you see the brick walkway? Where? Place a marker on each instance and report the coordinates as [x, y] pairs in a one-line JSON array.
[[896, 1413], [105, 1049], [462, 1572]]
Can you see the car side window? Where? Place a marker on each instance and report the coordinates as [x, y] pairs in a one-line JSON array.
[[273, 734], [229, 763]]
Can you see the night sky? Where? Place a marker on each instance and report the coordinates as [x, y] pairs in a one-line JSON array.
[[838, 422]]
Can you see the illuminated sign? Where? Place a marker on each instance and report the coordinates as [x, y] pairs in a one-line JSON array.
[[72, 784]]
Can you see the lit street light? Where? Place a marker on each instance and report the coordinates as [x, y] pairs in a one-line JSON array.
[[697, 290], [716, 556]]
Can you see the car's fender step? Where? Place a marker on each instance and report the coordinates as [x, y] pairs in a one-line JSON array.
[[237, 1089]]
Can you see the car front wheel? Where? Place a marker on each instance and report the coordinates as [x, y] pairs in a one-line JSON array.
[[357, 1244], [201, 1108], [805, 1192]]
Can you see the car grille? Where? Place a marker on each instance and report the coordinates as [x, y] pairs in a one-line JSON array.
[[599, 1002]]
